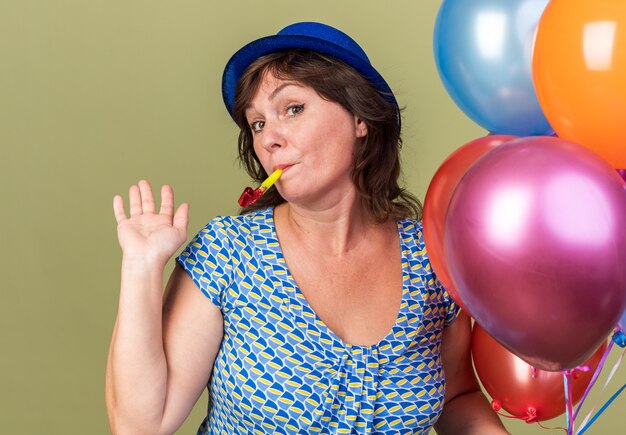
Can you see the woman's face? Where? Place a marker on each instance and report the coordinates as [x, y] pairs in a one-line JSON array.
[[310, 138]]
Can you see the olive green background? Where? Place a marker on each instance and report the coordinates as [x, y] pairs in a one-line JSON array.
[[97, 94]]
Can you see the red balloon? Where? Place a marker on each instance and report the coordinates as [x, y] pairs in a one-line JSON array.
[[523, 391], [438, 197], [535, 241]]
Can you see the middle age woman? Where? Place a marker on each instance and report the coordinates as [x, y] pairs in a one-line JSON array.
[[316, 310]]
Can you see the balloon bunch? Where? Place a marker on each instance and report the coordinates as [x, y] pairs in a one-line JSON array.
[[526, 227]]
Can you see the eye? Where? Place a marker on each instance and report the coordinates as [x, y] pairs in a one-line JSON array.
[[294, 109], [257, 126]]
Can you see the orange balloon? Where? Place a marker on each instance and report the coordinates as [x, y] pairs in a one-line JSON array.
[[525, 392], [438, 197], [579, 73]]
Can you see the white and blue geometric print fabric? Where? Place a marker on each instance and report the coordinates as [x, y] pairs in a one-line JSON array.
[[281, 370]]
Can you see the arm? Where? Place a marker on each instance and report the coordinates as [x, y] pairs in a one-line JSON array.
[[466, 410], [161, 353]]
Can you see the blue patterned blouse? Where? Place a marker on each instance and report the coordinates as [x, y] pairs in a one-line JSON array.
[[280, 370]]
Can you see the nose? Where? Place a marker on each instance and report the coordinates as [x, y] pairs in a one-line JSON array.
[[273, 135]]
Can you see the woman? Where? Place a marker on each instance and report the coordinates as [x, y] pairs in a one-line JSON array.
[[318, 310]]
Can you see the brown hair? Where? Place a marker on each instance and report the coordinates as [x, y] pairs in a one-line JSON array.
[[376, 161]]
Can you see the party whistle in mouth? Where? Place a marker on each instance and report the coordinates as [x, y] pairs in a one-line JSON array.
[[250, 196]]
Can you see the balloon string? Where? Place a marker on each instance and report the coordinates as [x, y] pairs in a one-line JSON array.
[[551, 428], [567, 385], [594, 378], [599, 413], [584, 424], [501, 414], [530, 418]]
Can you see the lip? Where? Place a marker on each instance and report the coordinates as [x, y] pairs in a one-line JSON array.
[[284, 167]]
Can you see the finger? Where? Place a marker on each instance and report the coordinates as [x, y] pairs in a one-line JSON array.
[[118, 208], [147, 199], [167, 201], [134, 197], [181, 218]]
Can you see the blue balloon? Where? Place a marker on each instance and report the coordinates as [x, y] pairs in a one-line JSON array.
[[483, 51]]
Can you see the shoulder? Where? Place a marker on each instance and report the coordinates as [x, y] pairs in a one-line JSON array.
[[410, 231], [410, 225], [415, 253], [236, 226], [413, 239], [224, 236], [220, 251]]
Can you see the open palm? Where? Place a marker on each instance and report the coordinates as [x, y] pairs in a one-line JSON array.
[[149, 235]]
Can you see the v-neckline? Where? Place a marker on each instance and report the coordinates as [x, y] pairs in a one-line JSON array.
[[315, 320]]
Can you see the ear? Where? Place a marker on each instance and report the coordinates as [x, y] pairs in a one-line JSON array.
[[360, 127]]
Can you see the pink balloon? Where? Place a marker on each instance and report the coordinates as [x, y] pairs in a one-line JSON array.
[[535, 242]]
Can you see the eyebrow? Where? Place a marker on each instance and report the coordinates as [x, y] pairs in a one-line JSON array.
[[281, 87], [276, 91]]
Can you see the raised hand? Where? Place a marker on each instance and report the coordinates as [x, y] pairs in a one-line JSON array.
[[147, 235]]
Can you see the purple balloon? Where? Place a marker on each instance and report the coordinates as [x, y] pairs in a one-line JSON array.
[[622, 323], [535, 242]]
